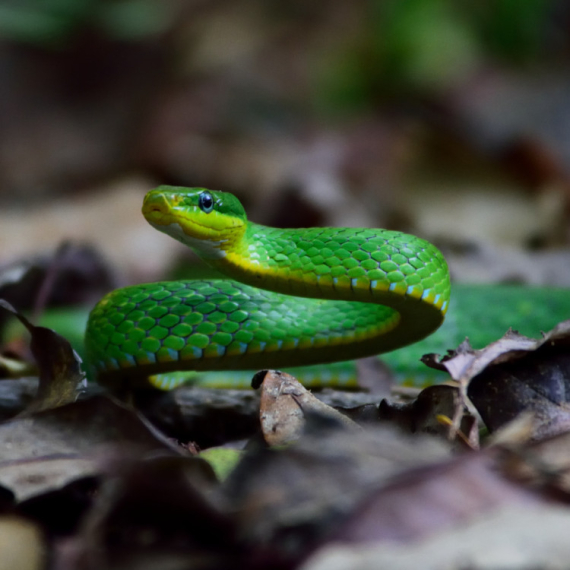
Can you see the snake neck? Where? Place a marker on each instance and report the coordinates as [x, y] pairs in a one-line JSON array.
[[262, 256], [369, 265]]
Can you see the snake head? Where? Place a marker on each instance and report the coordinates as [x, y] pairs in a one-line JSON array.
[[208, 221]]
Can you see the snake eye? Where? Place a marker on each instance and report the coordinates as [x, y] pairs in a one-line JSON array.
[[206, 202]]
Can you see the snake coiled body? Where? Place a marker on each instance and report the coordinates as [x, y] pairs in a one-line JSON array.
[[292, 297]]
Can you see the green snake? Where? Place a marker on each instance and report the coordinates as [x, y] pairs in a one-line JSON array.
[[292, 297]]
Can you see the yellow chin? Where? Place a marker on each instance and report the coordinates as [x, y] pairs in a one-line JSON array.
[[211, 235], [202, 226]]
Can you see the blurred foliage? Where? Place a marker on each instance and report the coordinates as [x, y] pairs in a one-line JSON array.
[[511, 29], [52, 22], [405, 46]]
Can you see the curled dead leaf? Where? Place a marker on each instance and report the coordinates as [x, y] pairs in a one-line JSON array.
[[516, 374], [60, 375], [284, 404]]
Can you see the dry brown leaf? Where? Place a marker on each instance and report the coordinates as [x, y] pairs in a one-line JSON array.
[[285, 402], [61, 376], [515, 374], [44, 450], [33, 476]]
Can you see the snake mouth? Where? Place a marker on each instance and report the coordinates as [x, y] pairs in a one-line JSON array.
[[159, 209], [155, 206]]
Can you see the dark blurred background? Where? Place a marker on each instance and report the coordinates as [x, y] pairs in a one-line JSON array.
[[445, 118]]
